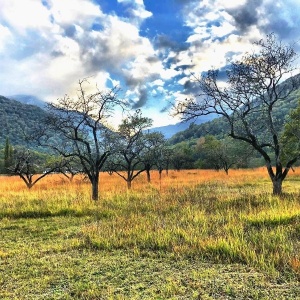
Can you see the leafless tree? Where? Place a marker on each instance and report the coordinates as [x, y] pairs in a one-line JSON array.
[[31, 166], [84, 134], [253, 90], [128, 159]]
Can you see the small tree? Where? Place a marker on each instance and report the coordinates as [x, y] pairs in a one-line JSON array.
[[164, 160], [32, 166], [127, 161], [223, 154], [81, 124], [152, 153], [71, 168], [248, 101], [182, 156]]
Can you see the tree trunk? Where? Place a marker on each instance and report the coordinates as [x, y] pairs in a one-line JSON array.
[[129, 184], [159, 172], [148, 176], [95, 189], [277, 178], [277, 186]]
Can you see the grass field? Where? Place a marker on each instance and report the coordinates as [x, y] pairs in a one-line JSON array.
[[193, 235]]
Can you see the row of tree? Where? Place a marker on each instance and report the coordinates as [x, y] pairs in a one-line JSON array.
[[77, 136], [135, 151], [129, 159]]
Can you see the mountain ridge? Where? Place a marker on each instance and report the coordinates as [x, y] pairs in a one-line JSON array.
[[169, 130], [26, 111], [28, 99]]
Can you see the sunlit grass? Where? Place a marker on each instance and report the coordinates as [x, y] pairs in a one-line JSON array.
[[197, 215]]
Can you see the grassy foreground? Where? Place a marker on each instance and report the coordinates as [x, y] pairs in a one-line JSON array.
[[194, 235]]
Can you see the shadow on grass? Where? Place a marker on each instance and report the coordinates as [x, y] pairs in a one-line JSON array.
[[36, 214]]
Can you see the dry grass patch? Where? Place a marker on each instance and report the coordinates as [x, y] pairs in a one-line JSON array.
[[193, 235]]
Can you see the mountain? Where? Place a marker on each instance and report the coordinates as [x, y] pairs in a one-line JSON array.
[[29, 99], [169, 130], [16, 118], [219, 127], [27, 112]]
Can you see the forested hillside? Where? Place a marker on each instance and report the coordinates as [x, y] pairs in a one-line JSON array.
[[16, 118], [218, 127]]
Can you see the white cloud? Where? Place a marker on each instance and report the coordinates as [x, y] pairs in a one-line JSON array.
[[24, 15], [82, 12], [47, 46], [157, 82], [137, 11], [5, 38], [62, 48]]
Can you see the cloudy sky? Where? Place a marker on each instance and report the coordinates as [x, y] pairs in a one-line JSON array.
[[149, 48]]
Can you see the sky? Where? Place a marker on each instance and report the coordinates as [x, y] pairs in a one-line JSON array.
[[150, 49]]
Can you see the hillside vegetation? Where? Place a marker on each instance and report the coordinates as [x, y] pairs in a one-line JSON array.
[[218, 127], [17, 118]]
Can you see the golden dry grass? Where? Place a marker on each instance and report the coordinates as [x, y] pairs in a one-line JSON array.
[[188, 218]]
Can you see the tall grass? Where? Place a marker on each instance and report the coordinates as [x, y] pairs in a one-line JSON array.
[[198, 214]]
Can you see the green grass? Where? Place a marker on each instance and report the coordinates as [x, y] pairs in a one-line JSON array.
[[209, 241]]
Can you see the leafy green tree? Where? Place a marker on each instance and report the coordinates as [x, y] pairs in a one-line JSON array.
[[182, 156], [223, 154], [290, 139], [163, 159], [248, 100], [152, 153]]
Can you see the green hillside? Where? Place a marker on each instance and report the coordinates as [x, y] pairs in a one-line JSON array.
[[218, 127], [15, 118]]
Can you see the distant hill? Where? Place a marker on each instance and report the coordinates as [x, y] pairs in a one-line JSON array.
[[218, 126], [169, 130], [15, 117], [28, 99]]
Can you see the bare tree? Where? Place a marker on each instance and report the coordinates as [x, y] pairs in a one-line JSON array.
[[127, 162], [71, 168], [81, 124], [32, 166], [152, 154], [248, 101]]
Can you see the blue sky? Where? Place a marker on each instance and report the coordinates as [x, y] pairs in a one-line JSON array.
[[149, 48]]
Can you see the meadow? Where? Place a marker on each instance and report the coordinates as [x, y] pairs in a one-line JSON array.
[[194, 234]]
